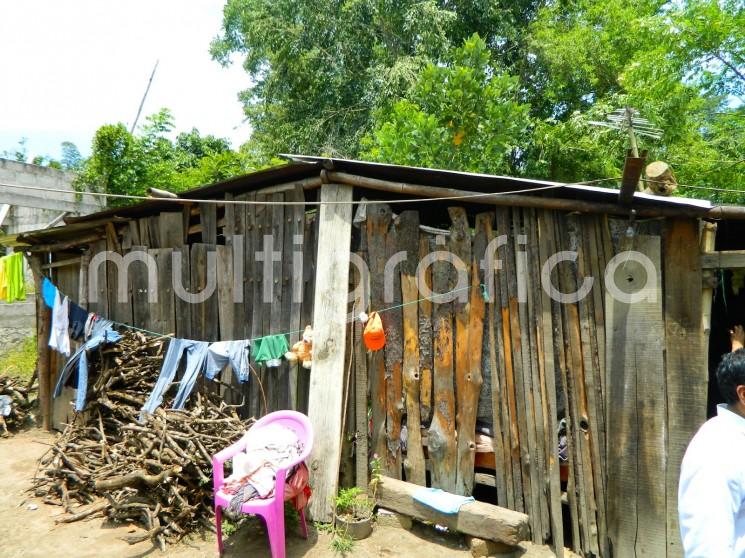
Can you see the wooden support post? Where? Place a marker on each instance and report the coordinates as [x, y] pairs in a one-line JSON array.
[[330, 333], [708, 236], [43, 323]]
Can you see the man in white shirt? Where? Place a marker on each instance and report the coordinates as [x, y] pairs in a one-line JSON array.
[[711, 493]]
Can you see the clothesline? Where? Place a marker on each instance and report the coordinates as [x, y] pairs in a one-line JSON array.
[[482, 286]]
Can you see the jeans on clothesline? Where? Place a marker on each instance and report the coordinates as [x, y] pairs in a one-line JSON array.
[[196, 352], [235, 353], [102, 333]]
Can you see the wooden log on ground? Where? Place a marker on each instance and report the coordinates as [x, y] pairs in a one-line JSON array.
[[477, 519]]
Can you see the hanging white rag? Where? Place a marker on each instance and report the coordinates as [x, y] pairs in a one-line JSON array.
[[59, 339]]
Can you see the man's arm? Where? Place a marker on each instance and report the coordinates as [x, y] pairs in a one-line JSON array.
[[709, 499]]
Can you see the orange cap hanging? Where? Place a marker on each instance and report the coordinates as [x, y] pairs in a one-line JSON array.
[[374, 336]]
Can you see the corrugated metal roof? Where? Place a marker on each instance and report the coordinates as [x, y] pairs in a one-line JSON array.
[[486, 182], [302, 167]]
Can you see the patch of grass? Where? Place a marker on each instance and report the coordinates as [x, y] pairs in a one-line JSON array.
[[20, 362], [342, 543], [228, 527], [324, 527]]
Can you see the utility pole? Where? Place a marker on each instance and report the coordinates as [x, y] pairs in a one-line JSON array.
[[142, 103]]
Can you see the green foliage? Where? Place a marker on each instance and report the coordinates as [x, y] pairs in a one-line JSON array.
[[410, 82], [464, 115], [342, 544], [125, 163], [347, 499], [19, 361], [20, 154], [72, 160]]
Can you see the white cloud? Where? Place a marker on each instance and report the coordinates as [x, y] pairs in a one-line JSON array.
[[67, 67]]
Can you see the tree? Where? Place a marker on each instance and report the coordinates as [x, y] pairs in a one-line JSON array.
[[72, 160], [325, 75], [463, 115], [125, 163]]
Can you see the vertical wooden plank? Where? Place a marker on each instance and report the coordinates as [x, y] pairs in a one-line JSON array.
[[162, 314], [495, 355], [686, 374], [204, 326], [225, 297], [425, 336], [97, 278], [208, 220], [441, 441], [256, 218], [393, 326], [378, 222], [153, 227], [548, 386], [144, 232], [534, 393], [504, 340], [408, 232], [120, 310], [460, 247], [182, 273], [360, 385], [281, 305], [171, 229], [271, 295], [637, 523], [293, 271], [140, 289], [591, 378], [329, 317], [577, 416], [310, 245], [514, 321]]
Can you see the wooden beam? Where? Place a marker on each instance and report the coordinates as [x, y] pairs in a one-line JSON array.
[[59, 246], [477, 519], [520, 200], [62, 263], [329, 339], [632, 173], [724, 259]]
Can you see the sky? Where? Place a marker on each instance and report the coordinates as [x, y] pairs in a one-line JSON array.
[[69, 66]]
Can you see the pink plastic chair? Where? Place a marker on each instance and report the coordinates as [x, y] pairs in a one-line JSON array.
[[272, 509]]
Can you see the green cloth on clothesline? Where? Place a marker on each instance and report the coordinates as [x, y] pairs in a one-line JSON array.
[[270, 350]]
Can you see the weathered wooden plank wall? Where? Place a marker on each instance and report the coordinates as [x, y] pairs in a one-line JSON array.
[[215, 248], [546, 358]]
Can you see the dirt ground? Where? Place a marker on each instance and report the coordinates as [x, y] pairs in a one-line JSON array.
[[27, 527]]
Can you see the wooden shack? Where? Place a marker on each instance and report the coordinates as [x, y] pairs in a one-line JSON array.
[[472, 392]]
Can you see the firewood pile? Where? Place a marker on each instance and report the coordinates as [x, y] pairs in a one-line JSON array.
[[158, 473], [15, 404]]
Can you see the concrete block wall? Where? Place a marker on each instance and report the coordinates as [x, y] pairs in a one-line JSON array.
[[22, 219]]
